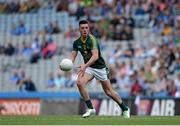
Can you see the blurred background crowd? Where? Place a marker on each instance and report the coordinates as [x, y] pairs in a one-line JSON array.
[[140, 40]]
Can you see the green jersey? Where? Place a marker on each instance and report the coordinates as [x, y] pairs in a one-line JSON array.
[[85, 48]]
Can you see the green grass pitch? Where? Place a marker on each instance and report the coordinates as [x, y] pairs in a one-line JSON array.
[[94, 120]]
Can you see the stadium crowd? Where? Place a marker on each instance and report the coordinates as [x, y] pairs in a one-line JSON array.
[[159, 71], [153, 71], [33, 51], [118, 16]]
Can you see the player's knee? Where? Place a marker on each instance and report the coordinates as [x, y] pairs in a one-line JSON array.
[[79, 83]]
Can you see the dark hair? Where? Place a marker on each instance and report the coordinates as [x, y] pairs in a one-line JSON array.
[[83, 22]]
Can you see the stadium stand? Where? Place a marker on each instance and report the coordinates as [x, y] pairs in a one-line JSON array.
[[139, 38]]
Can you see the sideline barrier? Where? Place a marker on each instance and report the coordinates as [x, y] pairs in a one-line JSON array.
[[40, 95], [63, 103]]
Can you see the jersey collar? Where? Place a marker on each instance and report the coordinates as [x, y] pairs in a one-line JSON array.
[[84, 41]]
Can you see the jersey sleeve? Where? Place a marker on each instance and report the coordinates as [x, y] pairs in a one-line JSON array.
[[94, 42], [75, 46]]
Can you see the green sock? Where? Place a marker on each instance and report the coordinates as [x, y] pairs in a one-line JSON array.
[[89, 104], [123, 106]]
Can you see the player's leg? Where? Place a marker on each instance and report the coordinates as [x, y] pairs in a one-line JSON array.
[[102, 76], [81, 84], [106, 85]]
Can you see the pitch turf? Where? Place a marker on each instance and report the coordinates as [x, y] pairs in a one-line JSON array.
[[94, 120]]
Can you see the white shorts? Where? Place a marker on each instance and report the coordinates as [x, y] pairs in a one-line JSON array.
[[99, 74]]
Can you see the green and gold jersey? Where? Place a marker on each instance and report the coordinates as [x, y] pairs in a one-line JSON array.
[[86, 47]]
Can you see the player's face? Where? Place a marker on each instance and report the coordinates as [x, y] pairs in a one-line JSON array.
[[84, 29]]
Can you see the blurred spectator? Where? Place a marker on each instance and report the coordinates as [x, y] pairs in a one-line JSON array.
[[15, 78], [24, 7], [22, 75], [161, 83], [124, 68], [177, 81], [35, 56], [148, 76], [49, 28], [95, 29], [171, 88], [62, 6], [9, 50], [22, 29], [130, 51], [52, 28], [60, 80], [123, 83], [14, 30], [136, 89], [70, 82], [56, 28], [116, 53], [13, 7], [50, 81], [50, 49], [27, 85], [72, 6], [80, 12], [25, 50], [69, 35], [167, 30], [126, 33], [33, 5], [19, 29], [18, 78], [49, 4], [44, 49]]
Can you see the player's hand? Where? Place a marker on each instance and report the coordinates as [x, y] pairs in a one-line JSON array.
[[82, 70]]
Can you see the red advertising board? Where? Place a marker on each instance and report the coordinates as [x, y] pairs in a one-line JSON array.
[[20, 106]]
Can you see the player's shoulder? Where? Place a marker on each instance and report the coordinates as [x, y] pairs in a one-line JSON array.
[[77, 40], [92, 36]]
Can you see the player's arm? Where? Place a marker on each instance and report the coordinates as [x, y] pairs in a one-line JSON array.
[[94, 57], [73, 56]]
